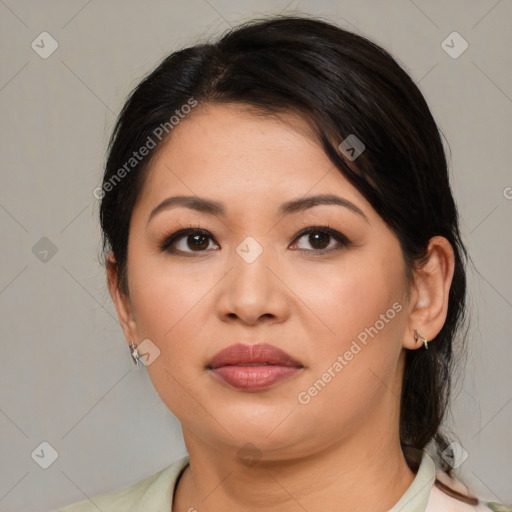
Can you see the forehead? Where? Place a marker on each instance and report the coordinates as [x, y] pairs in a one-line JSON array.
[[222, 135], [232, 152]]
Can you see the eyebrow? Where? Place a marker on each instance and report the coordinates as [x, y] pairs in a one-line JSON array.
[[211, 207]]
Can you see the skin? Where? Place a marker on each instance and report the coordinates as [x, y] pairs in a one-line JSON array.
[[342, 448]]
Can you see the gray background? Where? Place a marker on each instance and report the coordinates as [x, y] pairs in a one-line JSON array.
[[67, 378]]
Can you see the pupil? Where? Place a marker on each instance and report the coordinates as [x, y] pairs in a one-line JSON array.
[[319, 238], [198, 242]]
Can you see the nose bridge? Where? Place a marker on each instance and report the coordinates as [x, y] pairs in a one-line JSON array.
[[250, 273], [251, 289]]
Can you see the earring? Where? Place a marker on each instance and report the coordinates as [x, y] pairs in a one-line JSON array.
[[135, 354], [417, 336]]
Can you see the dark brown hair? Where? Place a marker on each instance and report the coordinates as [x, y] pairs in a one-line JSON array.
[[342, 84]]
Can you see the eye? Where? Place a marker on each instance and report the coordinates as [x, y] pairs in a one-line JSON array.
[[323, 239], [187, 241]]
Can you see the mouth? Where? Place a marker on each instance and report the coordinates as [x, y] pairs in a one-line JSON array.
[[253, 367]]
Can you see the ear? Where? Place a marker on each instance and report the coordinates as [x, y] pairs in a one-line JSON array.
[[429, 297], [121, 301]]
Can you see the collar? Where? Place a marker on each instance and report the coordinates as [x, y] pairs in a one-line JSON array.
[[416, 497]]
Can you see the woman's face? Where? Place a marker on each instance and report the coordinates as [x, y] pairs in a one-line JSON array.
[[339, 310]]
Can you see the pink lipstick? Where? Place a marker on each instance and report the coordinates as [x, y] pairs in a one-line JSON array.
[[253, 367]]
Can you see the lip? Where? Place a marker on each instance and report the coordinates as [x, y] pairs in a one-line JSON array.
[[253, 367]]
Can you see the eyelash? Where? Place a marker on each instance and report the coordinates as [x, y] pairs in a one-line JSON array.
[[342, 240]]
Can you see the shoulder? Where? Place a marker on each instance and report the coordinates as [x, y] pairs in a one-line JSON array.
[[440, 502], [154, 489]]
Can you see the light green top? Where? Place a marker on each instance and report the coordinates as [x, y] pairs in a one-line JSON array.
[[155, 492]]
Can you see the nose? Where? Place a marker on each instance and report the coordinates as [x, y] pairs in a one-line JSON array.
[[253, 292]]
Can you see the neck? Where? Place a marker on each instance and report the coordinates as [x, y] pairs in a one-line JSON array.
[[353, 474]]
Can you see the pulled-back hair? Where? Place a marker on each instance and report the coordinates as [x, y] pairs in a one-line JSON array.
[[342, 84]]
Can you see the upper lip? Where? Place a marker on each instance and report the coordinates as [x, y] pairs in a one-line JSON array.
[[261, 353]]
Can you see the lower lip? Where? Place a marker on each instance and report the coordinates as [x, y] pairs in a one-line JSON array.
[[254, 378]]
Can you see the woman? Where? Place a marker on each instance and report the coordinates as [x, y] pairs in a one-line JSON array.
[[283, 250]]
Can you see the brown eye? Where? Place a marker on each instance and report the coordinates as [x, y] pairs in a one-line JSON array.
[[319, 240], [322, 239], [187, 241], [197, 242]]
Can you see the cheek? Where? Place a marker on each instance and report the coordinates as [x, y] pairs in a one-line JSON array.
[[163, 295], [355, 359], [164, 302], [169, 303], [349, 297]]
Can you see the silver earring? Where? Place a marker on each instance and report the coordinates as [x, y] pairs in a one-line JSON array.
[[135, 354], [418, 336]]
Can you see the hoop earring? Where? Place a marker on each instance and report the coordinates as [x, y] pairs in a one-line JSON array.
[[418, 336], [135, 354]]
